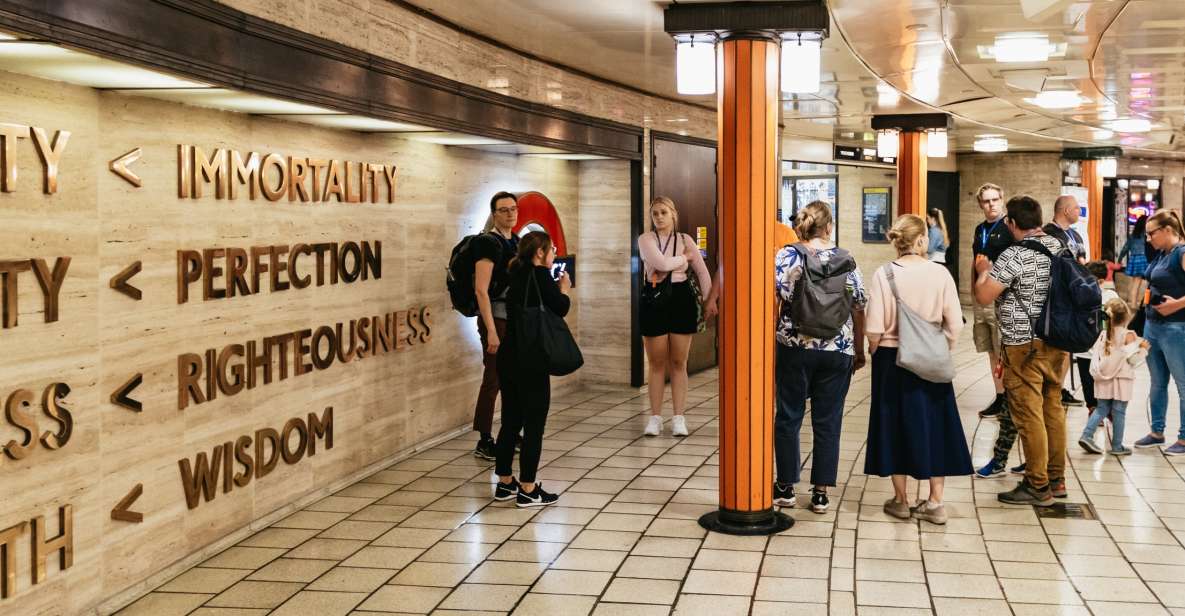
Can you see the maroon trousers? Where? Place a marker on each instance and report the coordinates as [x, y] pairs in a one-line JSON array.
[[483, 413]]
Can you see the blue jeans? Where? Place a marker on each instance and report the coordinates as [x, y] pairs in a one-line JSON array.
[[1118, 411], [822, 376], [1166, 357]]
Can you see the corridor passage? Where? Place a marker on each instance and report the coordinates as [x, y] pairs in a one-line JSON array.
[[424, 536]]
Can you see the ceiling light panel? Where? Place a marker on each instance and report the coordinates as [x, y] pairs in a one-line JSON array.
[[352, 122], [443, 138], [230, 100], [49, 61]]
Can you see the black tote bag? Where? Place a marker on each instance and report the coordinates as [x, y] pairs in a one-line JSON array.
[[544, 337]]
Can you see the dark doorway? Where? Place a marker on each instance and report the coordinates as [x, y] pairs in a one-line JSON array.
[[942, 193], [685, 170]]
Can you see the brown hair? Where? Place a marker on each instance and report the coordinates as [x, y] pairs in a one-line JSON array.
[[936, 214], [812, 221], [986, 187], [905, 233], [1024, 212], [670, 205], [1170, 219], [1118, 315], [527, 246]]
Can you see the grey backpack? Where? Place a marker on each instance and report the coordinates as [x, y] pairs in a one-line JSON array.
[[822, 304], [922, 346]]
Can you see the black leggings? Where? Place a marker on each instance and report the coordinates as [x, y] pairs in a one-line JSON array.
[[526, 397]]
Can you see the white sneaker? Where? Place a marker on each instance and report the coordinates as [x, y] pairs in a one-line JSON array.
[[654, 426], [679, 426]]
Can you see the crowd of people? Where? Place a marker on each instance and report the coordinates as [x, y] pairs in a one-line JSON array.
[[907, 316]]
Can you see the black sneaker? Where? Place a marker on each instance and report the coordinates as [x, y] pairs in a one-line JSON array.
[[784, 495], [819, 501], [1024, 494], [506, 491], [994, 408], [484, 449], [1019, 469], [1068, 398], [537, 498]]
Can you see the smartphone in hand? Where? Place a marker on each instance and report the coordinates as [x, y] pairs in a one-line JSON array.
[[564, 265]]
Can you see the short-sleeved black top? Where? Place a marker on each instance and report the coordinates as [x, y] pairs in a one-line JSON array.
[[494, 247], [990, 239]]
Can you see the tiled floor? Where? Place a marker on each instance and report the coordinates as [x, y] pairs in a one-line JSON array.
[[424, 536]]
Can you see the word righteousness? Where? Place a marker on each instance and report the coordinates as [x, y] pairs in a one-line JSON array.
[[200, 378], [276, 176]]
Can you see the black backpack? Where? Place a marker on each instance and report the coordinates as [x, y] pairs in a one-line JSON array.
[[459, 277], [821, 304], [1072, 317]]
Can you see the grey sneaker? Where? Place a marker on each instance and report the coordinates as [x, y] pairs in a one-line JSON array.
[[1089, 445], [1149, 441], [1176, 449], [1121, 451], [930, 512], [896, 509], [1024, 494]]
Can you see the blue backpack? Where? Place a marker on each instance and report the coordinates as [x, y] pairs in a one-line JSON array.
[[1072, 317]]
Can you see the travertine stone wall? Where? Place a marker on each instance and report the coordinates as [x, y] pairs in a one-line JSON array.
[[603, 271], [852, 182], [391, 31], [381, 405]]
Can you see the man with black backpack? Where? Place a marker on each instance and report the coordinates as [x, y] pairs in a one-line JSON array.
[[1043, 305], [487, 256]]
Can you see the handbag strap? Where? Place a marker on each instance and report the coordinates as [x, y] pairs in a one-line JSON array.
[[888, 269], [532, 283]]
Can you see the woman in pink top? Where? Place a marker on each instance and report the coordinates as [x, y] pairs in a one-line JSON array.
[[913, 428], [669, 309]]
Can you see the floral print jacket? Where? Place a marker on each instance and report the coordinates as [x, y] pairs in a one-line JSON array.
[[788, 268]]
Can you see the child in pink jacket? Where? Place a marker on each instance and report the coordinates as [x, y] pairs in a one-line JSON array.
[[1113, 360]]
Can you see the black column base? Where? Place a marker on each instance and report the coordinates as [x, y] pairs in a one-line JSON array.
[[767, 522]]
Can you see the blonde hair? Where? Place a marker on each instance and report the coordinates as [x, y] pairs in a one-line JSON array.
[[986, 187], [936, 214], [1119, 314], [668, 203], [905, 233], [1170, 219], [812, 221]]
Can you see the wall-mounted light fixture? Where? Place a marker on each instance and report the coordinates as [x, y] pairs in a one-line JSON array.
[[990, 143], [886, 144], [1108, 167], [937, 143], [801, 62], [695, 64]]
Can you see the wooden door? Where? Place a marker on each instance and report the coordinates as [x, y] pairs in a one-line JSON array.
[[686, 172]]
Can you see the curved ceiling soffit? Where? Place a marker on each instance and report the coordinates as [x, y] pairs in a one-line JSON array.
[[927, 65]]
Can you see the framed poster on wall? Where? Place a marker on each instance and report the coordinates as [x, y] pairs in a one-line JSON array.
[[877, 204]]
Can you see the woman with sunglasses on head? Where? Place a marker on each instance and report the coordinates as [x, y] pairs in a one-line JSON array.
[[1165, 325]]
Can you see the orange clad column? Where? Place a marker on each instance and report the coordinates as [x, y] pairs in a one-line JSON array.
[[911, 173], [1092, 181], [747, 186]]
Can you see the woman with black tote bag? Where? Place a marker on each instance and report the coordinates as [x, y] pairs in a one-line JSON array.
[[523, 373]]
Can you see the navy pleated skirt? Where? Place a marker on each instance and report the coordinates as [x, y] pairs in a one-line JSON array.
[[914, 427]]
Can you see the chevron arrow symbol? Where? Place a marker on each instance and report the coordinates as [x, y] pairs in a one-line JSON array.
[[120, 281], [120, 397], [121, 512], [119, 166]]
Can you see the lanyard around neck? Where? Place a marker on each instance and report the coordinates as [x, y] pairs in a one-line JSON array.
[[662, 248], [987, 233]]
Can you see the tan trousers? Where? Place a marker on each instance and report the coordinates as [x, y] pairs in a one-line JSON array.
[[1033, 384]]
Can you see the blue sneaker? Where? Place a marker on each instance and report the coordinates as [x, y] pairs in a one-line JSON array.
[[1148, 441], [1019, 469], [1176, 449], [990, 470]]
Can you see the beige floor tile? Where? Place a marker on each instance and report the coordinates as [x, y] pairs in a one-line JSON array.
[[328, 549], [589, 560], [314, 520], [565, 515], [664, 527], [339, 504], [278, 538], [773, 608], [506, 516], [842, 604], [659, 592], [407, 498], [244, 558], [484, 597], [375, 557], [409, 599], [435, 519], [480, 533], [320, 603], [587, 500], [889, 530], [630, 609], [702, 582], [204, 580], [727, 560], [843, 579], [780, 545], [964, 586], [1112, 589], [811, 567], [528, 551], [1171, 594], [1160, 573], [1020, 552], [410, 537], [720, 541], [1091, 546], [256, 594], [555, 533], [1030, 571], [791, 590], [633, 508], [507, 572], [458, 504], [711, 605], [446, 575], [454, 552], [948, 606], [654, 567], [1037, 609], [351, 579], [354, 529], [666, 546], [554, 605], [888, 549], [939, 542], [605, 540], [1159, 554], [892, 594], [227, 611], [292, 570], [955, 562], [1101, 566], [164, 604], [561, 582], [1105, 608], [1014, 532], [1040, 591], [620, 521], [383, 513]]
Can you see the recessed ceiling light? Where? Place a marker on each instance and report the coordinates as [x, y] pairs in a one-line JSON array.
[[569, 156], [886, 95], [1056, 99], [231, 100], [352, 122], [1130, 125], [1023, 47], [456, 139], [990, 143], [48, 61], [1102, 133]]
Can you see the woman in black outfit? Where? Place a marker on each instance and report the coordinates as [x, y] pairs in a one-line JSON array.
[[525, 382]]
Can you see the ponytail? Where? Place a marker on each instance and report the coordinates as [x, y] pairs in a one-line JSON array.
[[1118, 315], [936, 214]]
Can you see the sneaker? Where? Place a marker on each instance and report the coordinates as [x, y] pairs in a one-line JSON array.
[[819, 502], [784, 495], [1057, 488], [1024, 494], [484, 449], [1089, 445], [989, 471], [653, 426], [1068, 398], [897, 510], [1176, 449], [1019, 469], [934, 513], [679, 426], [1121, 451], [506, 491], [537, 498], [994, 408], [1148, 441]]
